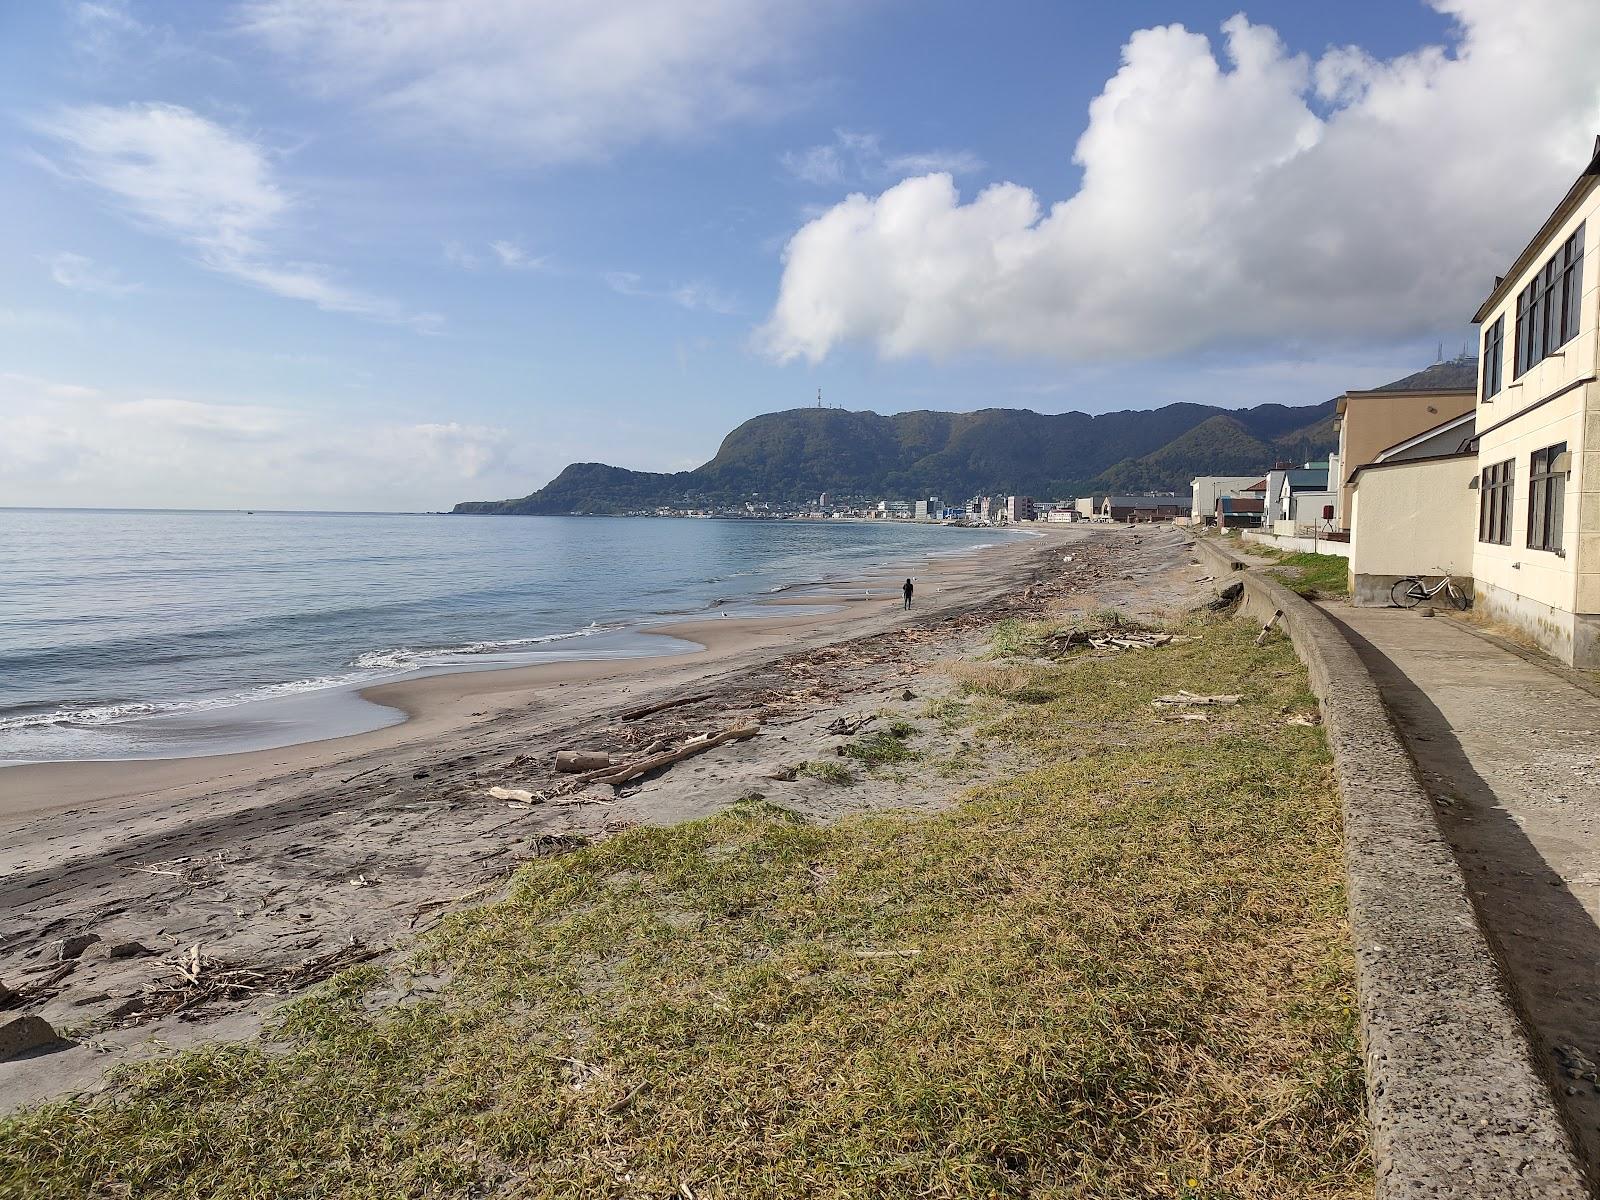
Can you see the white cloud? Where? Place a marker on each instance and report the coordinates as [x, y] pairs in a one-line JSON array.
[[63, 443], [80, 274], [1272, 197], [546, 80], [514, 258], [179, 174], [697, 296], [860, 158]]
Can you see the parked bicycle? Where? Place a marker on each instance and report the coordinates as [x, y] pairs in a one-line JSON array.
[[1413, 590]]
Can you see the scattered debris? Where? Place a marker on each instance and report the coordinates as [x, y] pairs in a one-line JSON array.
[[1227, 597], [850, 723], [505, 793], [1305, 719], [203, 980], [1187, 717], [1194, 700], [643, 766]]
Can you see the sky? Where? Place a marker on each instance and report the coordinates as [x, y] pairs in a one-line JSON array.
[[392, 254]]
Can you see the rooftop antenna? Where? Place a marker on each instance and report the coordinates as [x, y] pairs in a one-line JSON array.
[[1441, 353], [819, 397]]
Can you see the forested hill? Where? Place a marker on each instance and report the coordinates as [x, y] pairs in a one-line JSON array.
[[787, 457]]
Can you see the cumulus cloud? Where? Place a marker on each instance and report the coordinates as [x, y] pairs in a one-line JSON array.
[[1248, 200], [176, 173], [860, 158], [63, 443], [546, 80]]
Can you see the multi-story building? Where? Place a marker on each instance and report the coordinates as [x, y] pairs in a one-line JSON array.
[[1536, 563], [1019, 508], [1371, 421]]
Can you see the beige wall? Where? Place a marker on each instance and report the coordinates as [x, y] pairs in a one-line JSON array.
[[1523, 418], [1374, 421], [1415, 518]]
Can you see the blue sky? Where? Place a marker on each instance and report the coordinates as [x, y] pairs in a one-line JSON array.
[[356, 254]]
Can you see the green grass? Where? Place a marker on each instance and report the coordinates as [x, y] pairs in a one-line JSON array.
[[1117, 972], [828, 771], [1317, 574], [883, 747]]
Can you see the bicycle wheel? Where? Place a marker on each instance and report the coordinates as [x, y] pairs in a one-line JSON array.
[[1407, 592], [1459, 597]]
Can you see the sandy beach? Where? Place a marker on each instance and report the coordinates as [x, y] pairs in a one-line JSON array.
[[294, 862]]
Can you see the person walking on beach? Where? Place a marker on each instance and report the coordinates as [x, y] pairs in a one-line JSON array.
[[906, 592]]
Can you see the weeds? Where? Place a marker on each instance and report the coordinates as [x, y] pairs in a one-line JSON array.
[[828, 771]]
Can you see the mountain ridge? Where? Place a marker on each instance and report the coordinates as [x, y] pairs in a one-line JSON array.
[[794, 455]]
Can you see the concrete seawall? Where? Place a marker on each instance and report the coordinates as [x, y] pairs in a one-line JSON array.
[[1458, 1106]]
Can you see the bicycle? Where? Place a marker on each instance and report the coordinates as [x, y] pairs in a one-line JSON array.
[[1413, 589]]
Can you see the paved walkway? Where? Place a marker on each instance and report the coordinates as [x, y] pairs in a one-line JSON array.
[[1510, 753]]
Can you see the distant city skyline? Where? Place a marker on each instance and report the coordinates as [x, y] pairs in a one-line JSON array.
[[357, 255]]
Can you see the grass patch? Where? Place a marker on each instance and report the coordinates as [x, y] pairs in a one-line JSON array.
[[828, 771], [1108, 976], [1314, 574], [883, 747]]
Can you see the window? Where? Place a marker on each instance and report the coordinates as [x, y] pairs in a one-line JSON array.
[[1494, 339], [1494, 504], [1550, 309], [1547, 494]]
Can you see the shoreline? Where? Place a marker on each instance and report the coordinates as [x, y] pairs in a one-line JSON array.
[[298, 861], [436, 702]]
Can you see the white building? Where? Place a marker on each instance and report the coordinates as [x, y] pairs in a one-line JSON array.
[[1536, 563]]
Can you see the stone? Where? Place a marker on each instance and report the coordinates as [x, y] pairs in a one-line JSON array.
[[6, 994], [23, 1033], [908, 694], [113, 951], [74, 946]]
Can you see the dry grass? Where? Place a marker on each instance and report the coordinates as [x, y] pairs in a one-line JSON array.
[[1121, 973]]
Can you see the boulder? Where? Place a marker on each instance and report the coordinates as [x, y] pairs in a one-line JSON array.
[[74, 946], [23, 1033], [112, 951]]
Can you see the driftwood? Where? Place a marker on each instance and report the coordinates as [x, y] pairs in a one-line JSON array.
[[633, 714], [573, 762], [643, 766], [1192, 699]]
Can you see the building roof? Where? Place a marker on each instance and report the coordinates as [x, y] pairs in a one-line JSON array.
[[1148, 501], [1306, 479], [1259, 485], [1456, 375], [1443, 439], [1569, 202], [1241, 504]]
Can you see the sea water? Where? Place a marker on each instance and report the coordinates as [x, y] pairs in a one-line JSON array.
[[137, 634]]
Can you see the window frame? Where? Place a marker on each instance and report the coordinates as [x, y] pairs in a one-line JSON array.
[[1493, 357], [1496, 483], [1550, 307], [1547, 501]]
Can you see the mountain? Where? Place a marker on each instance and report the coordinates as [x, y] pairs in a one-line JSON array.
[[792, 456]]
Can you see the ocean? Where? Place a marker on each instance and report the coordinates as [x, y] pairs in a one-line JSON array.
[[141, 634]]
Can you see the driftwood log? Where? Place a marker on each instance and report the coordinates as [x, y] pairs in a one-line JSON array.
[[633, 714], [643, 766], [573, 761]]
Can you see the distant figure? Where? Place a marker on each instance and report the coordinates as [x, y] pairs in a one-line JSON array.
[[906, 592]]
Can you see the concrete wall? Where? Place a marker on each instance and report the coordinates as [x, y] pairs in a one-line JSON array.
[[1374, 421], [1297, 545], [1411, 518], [1456, 1100]]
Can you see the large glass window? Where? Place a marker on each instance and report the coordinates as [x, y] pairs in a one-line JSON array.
[[1550, 309], [1494, 503], [1547, 495], [1494, 339]]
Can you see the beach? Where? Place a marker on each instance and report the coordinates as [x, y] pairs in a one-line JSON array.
[[293, 862]]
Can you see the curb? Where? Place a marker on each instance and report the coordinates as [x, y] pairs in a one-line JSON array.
[[1457, 1104]]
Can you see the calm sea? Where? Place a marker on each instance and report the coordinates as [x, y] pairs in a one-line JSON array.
[[147, 634]]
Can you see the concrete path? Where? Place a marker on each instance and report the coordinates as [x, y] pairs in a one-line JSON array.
[[1510, 754]]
